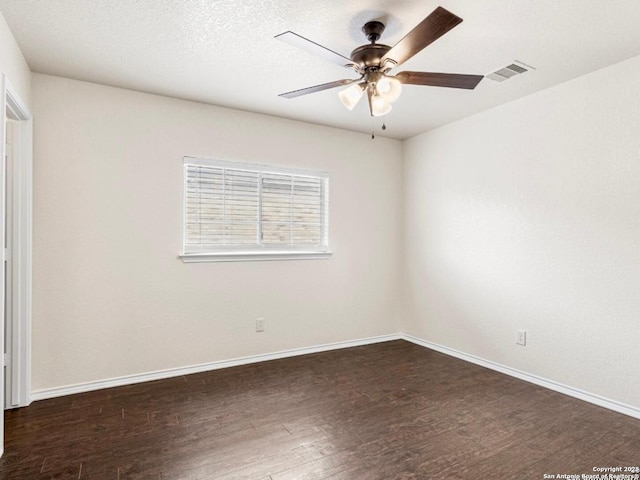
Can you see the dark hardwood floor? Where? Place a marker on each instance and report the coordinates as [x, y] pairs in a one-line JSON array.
[[381, 412]]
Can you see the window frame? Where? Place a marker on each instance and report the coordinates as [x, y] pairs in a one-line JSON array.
[[250, 252]]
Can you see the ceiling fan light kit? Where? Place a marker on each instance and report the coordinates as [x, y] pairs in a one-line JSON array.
[[384, 91], [389, 87], [351, 96], [374, 61], [379, 106]]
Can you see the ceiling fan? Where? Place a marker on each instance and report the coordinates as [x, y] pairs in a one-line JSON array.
[[374, 61]]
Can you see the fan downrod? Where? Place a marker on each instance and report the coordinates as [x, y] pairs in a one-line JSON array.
[[373, 30]]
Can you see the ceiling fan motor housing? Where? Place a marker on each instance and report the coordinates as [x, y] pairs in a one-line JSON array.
[[369, 55]]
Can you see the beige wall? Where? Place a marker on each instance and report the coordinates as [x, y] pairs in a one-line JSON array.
[[110, 296], [527, 217], [13, 64]]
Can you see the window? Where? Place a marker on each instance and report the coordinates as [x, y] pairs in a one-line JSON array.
[[236, 211]]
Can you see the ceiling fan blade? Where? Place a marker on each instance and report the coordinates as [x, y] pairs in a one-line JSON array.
[[317, 88], [315, 48], [439, 22], [452, 80]]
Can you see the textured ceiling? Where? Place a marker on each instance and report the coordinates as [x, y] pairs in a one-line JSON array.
[[223, 52]]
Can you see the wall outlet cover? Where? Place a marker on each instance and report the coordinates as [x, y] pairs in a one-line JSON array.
[[521, 337]]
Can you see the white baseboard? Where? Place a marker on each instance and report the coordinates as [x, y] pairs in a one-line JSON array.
[[205, 367], [176, 372], [527, 377]]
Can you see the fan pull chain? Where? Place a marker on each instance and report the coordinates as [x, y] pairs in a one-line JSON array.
[[373, 127]]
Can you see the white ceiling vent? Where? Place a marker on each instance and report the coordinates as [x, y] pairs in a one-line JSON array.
[[511, 70]]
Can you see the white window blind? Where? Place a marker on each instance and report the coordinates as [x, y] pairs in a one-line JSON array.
[[253, 209]]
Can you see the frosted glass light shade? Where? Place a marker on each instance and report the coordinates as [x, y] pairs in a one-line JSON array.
[[390, 88], [351, 96], [379, 106]]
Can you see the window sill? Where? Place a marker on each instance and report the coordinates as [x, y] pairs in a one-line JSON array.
[[252, 256]]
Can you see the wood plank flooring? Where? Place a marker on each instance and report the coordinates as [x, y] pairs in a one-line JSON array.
[[382, 412]]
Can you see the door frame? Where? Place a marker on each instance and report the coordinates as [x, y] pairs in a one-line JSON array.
[[21, 204]]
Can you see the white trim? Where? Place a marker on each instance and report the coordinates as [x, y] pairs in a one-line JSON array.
[[258, 256], [528, 377], [22, 194], [3, 132], [252, 167], [205, 367]]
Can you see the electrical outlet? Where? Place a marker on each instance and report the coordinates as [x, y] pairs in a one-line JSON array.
[[260, 324], [521, 337]]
